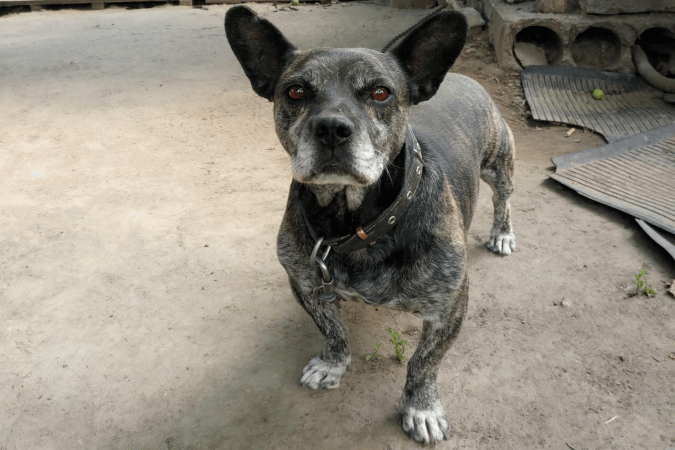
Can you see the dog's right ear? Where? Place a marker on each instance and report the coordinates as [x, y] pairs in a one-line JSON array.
[[262, 50], [428, 50]]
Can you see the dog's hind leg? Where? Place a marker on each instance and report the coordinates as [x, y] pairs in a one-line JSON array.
[[497, 172], [325, 370], [423, 416]]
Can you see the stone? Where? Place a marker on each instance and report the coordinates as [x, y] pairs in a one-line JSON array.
[[473, 17], [530, 54]]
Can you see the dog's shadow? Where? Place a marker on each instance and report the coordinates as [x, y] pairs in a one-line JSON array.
[[252, 397]]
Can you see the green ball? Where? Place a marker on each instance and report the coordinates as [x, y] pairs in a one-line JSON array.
[[598, 94], [295, 2]]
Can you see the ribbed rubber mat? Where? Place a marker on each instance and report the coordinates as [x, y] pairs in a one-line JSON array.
[[635, 175], [564, 94]]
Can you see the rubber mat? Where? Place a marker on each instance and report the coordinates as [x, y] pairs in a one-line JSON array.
[[635, 175], [565, 94]]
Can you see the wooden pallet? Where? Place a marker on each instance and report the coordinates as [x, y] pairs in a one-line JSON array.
[[36, 5], [234, 2]]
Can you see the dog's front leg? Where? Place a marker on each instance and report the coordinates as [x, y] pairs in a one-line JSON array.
[[423, 416], [325, 370]]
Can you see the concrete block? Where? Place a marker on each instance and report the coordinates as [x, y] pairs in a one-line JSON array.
[[590, 41], [412, 4], [626, 6], [550, 6]]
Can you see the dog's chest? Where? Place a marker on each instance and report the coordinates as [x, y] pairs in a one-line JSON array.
[[388, 288], [373, 289], [374, 286], [422, 308], [348, 294], [351, 295]]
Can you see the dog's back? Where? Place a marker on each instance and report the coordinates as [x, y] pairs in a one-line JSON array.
[[461, 131]]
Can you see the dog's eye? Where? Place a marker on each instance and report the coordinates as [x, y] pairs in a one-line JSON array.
[[379, 93], [296, 92]]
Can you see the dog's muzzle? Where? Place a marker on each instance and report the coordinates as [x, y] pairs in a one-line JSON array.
[[332, 130]]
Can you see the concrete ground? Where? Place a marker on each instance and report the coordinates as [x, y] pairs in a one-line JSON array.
[[142, 305]]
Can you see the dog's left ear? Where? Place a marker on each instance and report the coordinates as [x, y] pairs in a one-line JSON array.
[[262, 50], [428, 50]]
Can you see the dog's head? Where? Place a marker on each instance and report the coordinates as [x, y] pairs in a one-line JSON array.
[[341, 114]]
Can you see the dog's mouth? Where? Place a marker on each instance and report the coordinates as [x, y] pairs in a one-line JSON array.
[[334, 174], [355, 165], [334, 169]]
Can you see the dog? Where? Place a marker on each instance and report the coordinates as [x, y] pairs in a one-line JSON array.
[[386, 150]]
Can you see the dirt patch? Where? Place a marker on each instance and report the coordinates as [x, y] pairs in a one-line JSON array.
[[143, 306]]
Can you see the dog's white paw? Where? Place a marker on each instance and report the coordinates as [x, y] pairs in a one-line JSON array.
[[503, 243], [318, 374], [426, 426]]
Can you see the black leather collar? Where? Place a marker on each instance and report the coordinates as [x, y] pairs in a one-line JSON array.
[[368, 234]]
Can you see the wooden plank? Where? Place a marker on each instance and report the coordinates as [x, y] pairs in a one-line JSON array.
[[68, 2]]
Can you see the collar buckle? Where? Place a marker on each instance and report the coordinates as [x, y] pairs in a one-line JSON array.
[[326, 291]]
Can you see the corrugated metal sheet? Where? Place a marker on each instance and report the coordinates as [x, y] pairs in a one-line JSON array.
[[564, 94]]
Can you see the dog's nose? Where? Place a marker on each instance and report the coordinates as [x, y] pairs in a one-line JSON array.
[[332, 130]]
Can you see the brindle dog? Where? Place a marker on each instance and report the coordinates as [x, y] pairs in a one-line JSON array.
[[383, 191]]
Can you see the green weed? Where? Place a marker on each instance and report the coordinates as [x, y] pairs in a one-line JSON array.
[[641, 286], [398, 343], [375, 354]]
